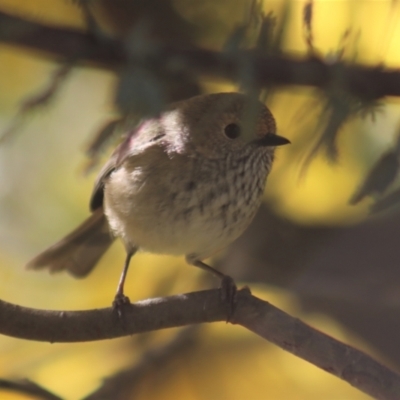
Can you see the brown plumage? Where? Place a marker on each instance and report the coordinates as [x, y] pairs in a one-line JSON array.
[[79, 251], [186, 182]]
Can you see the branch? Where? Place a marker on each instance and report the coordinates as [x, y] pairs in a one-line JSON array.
[[258, 316], [28, 387], [109, 53], [74, 43], [99, 324], [126, 381], [339, 359]]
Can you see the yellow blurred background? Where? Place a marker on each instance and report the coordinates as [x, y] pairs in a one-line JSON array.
[[43, 194]]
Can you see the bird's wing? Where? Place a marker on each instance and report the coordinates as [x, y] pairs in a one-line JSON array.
[[135, 139], [96, 200]]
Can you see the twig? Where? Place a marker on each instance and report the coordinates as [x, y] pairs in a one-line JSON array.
[[38, 99], [123, 382], [26, 386], [260, 317]]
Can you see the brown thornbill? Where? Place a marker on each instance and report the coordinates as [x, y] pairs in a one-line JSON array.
[[187, 182]]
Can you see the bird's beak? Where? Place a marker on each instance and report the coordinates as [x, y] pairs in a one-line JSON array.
[[271, 140]]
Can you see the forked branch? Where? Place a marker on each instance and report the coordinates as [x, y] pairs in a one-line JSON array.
[[260, 317]]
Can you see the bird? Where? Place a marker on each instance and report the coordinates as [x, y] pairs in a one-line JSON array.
[[187, 181]]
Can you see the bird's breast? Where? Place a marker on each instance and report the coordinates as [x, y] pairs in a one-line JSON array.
[[195, 208]]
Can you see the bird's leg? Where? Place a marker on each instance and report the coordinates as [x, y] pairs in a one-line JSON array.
[[228, 285], [120, 299]]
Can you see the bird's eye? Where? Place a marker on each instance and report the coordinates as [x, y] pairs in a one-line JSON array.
[[232, 131]]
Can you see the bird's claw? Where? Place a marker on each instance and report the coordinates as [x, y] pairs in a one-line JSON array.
[[120, 301]]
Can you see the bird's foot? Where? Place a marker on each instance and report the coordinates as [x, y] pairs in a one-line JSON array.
[[120, 301]]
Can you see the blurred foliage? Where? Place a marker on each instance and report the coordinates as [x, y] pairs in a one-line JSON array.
[[36, 101], [43, 193]]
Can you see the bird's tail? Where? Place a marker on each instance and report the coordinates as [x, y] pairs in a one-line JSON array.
[[79, 251]]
